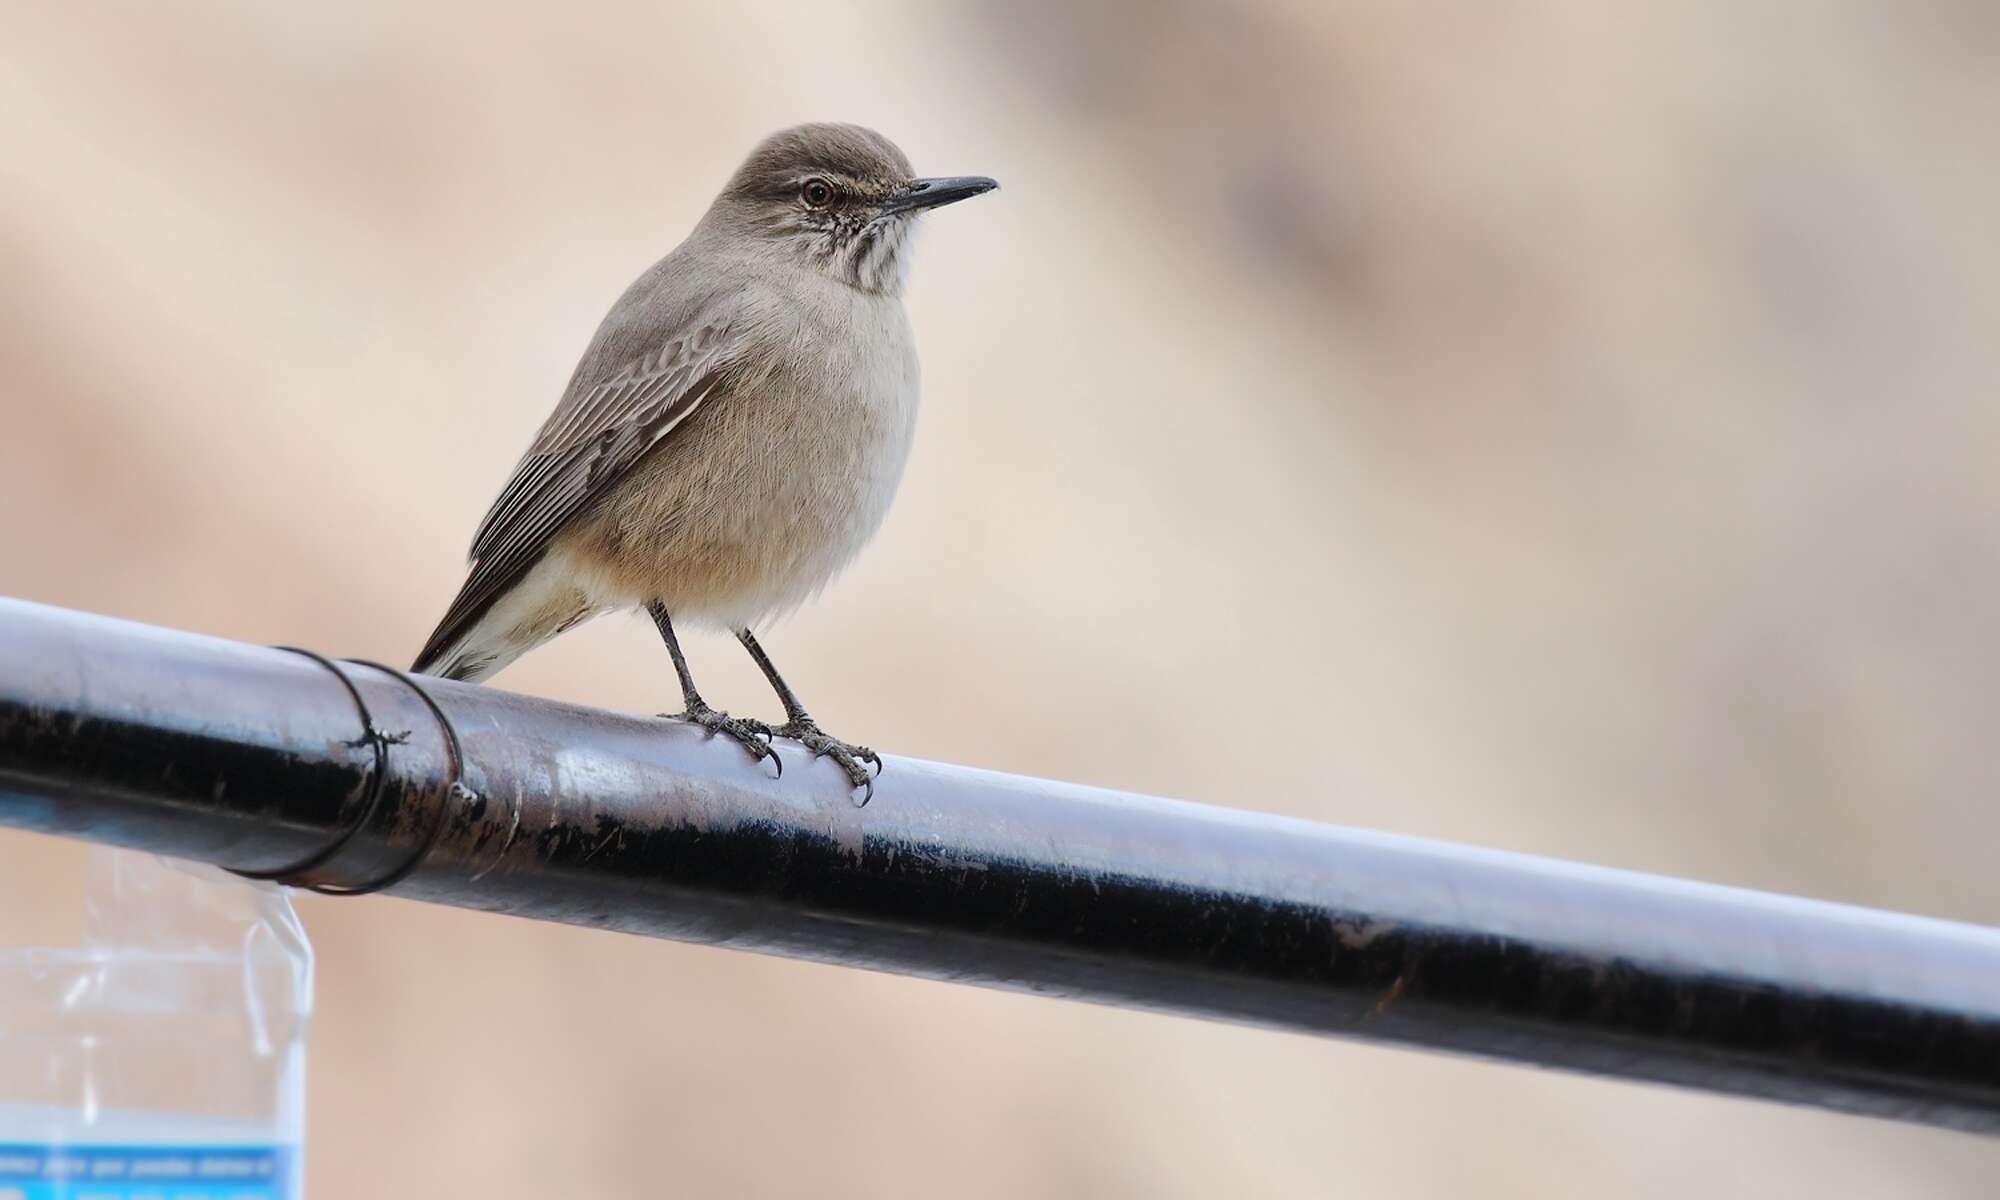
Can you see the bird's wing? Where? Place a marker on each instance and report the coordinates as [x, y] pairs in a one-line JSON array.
[[592, 439]]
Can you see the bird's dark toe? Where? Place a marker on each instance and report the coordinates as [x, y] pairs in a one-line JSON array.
[[846, 755], [754, 736]]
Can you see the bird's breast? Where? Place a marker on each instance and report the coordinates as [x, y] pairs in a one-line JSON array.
[[779, 478], [854, 393]]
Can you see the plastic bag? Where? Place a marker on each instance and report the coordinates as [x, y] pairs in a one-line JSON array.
[[164, 1057]]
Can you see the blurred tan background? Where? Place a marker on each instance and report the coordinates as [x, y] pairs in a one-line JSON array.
[[1570, 428]]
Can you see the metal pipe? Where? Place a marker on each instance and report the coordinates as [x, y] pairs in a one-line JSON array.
[[251, 758]]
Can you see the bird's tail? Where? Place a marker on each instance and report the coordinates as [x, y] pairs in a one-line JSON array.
[[467, 654], [470, 666], [484, 629]]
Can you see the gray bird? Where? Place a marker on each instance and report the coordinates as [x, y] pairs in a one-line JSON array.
[[733, 435]]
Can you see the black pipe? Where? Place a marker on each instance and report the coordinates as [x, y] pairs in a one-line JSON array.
[[254, 758]]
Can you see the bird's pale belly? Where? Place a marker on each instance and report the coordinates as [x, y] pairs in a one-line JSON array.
[[756, 509]]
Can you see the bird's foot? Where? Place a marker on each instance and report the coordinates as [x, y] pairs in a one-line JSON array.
[[848, 756], [753, 736]]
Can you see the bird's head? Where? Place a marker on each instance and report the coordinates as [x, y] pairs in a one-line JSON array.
[[838, 198]]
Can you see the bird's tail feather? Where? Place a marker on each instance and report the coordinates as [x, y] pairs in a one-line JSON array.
[[471, 658], [480, 636]]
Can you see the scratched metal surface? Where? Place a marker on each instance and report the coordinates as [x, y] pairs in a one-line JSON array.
[[251, 757]]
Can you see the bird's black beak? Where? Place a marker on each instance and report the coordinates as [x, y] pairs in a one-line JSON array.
[[933, 193]]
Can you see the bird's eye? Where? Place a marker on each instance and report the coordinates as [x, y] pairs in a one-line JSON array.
[[816, 193]]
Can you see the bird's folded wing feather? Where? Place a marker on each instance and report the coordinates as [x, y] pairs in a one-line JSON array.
[[592, 439]]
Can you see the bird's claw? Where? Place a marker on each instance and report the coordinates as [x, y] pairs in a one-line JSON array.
[[846, 755], [744, 731]]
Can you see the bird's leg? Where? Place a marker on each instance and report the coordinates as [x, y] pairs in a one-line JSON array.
[[800, 727], [754, 736]]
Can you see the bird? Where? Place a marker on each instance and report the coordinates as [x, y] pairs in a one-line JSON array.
[[732, 435]]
